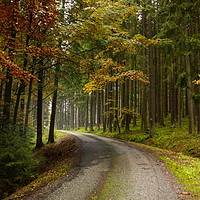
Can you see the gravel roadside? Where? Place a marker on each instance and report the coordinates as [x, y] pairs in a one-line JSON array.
[[113, 170]]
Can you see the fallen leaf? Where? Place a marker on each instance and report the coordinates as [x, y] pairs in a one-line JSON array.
[[185, 193]]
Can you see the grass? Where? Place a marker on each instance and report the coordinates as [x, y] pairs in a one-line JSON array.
[[187, 169], [171, 138], [179, 150]]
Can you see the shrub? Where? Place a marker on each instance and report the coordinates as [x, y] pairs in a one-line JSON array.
[[17, 161]]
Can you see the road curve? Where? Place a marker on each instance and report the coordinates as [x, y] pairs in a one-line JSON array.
[[114, 170]]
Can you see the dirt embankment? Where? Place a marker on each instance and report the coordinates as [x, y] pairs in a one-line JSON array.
[[55, 161]]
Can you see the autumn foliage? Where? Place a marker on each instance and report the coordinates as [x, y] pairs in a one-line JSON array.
[[23, 23]]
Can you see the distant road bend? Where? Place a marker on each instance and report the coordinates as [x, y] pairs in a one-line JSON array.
[[114, 170]]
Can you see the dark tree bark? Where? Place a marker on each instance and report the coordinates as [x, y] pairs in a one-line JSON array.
[[71, 113], [127, 115], [110, 106], [104, 102], [92, 112], [39, 142], [152, 84], [28, 102], [7, 98], [123, 103], [87, 113], [152, 93], [116, 122], [98, 109], [53, 109], [20, 92], [190, 99]]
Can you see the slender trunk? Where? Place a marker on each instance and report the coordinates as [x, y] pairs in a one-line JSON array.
[[152, 82], [190, 99], [152, 93], [110, 105], [123, 103], [53, 109], [98, 110], [86, 113], [172, 101], [144, 97], [116, 120], [135, 93], [7, 98], [179, 98], [17, 103], [39, 142], [91, 112], [1, 97], [198, 117], [127, 115], [8, 86], [104, 102], [71, 114], [28, 102]]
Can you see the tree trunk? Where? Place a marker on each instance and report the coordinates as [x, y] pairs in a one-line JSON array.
[[39, 142], [127, 115], [53, 109], [7, 98], [190, 99], [71, 114], [92, 112], [123, 104], [28, 102], [86, 113], [110, 106], [104, 105], [17, 103], [98, 109]]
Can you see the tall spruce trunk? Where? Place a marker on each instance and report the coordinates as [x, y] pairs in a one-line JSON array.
[[98, 109], [144, 97], [116, 120], [20, 92], [92, 112], [123, 87], [190, 99], [105, 106], [71, 113], [53, 109], [152, 99], [152, 93], [127, 115], [86, 113], [39, 142], [110, 106]]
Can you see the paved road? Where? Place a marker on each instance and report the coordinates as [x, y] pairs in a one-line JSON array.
[[113, 170]]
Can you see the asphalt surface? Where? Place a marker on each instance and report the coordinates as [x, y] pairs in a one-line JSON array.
[[114, 170]]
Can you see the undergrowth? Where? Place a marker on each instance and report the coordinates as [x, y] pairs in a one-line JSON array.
[[54, 162], [17, 161]]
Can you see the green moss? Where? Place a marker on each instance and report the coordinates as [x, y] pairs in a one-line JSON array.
[[112, 188], [187, 169]]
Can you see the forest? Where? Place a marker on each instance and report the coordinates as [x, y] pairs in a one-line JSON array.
[[94, 65]]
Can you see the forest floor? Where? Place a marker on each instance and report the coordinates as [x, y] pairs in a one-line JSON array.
[[58, 158]]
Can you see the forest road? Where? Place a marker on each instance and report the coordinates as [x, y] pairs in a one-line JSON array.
[[115, 170]]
